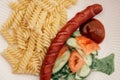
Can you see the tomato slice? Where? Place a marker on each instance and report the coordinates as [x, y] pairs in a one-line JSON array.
[[75, 61], [87, 44]]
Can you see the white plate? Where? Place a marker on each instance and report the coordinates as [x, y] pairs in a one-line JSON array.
[[110, 17]]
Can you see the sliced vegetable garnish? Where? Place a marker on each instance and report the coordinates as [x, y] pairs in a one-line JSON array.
[[75, 61], [71, 76], [83, 72], [72, 42], [87, 44], [87, 58], [61, 61], [62, 74], [76, 33]]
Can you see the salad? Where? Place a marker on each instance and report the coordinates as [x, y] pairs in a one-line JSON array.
[[79, 57]]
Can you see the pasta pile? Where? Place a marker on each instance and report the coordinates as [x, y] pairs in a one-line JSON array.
[[29, 31]]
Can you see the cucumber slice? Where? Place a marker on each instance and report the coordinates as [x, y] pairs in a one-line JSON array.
[[80, 52], [76, 33], [73, 43], [88, 59], [83, 72], [95, 53], [60, 62], [62, 74], [71, 77], [78, 77]]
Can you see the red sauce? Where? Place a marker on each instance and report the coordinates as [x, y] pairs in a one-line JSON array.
[[94, 30]]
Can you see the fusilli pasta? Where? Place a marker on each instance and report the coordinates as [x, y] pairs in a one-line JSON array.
[[29, 31]]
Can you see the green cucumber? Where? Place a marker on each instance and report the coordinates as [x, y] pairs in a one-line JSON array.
[[60, 62], [83, 72], [71, 76], [95, 53], [80, 51], [88, 59], [77, 77], [76, 33], [62, 74], [73, 43]]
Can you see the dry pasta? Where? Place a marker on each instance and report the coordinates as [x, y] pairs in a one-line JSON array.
[[20, 38], [18, 19], [18, 6], [29, 10], [40, 22], [39, 43], [48, 5], [8, 37], [10, 21], [29, 31], [29, 52], [34, 18], [67, 3], [63, 17], [55, 24]]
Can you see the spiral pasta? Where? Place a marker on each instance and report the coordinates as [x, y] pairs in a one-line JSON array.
[[34, 18], [48, 5], [26, 34], [24, 1], [18, 19], [18, 6], [12, 60], [30, 30], [10, 21], [41, 20], [8, 37], [20, 39], [31, 45], [55, 24], [67, 3], [39, 43], [29, 10], [15, 52], [63, 17]]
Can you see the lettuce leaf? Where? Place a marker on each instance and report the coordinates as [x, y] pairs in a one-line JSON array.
[[105, 65]]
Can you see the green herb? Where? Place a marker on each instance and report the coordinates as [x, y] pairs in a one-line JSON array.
[[105, 65]]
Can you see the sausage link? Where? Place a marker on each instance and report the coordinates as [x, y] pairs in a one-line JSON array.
[[63, 35]]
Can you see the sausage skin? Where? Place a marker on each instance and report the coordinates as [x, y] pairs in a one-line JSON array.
[[63, 35]]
